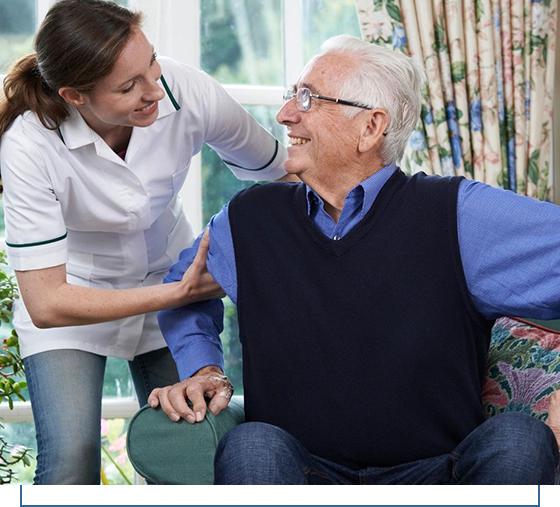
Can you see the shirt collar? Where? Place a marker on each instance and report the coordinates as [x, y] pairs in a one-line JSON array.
[[168, 104], [364, 193], [75, 132]]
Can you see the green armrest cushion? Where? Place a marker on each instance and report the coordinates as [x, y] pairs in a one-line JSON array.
[[164, 452]]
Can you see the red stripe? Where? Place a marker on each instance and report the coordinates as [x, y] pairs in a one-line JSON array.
[[539, 326]]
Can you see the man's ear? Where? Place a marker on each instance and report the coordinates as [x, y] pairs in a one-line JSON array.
[[373, 130], [72, 96]]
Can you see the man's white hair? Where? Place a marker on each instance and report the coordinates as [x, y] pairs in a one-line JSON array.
[[386, 79]]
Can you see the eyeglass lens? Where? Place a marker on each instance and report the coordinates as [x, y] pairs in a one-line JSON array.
[[303, 98]]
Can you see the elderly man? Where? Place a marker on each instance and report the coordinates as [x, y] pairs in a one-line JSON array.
[[366, 299]]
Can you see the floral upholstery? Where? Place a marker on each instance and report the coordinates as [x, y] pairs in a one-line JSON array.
[[523, 369]]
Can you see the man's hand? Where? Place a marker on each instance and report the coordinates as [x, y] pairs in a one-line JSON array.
[[553, 420], [209, 382], [197, 283]]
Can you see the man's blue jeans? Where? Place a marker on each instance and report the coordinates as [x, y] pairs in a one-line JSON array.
[[65, 387], [510, 448]]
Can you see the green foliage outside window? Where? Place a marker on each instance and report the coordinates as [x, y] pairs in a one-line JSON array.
[[11, 372], [241, 41], [322, 19], [17, 28]]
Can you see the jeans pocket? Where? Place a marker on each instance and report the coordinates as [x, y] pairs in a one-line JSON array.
[[455, 457]]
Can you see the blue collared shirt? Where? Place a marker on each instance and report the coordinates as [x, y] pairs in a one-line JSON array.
[[510, 248]]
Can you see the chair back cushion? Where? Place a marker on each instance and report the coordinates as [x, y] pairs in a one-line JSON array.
[[523, 367]]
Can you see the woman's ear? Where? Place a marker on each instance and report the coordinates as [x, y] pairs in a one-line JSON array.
[[72, 96], [374, 129]]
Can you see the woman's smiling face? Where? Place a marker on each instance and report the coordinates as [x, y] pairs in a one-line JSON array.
[[129, 95]]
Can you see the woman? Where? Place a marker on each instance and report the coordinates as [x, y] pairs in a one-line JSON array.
[[97, 136]]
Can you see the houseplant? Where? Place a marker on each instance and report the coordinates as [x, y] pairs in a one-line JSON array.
[[11, 373]]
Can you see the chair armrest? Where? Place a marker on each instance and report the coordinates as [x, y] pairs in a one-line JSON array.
[[164, 452]]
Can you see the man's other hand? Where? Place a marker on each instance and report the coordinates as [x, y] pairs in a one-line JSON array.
[[209, 382]]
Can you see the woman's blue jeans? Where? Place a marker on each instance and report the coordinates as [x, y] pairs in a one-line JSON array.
[[65, 387], [509, 448]]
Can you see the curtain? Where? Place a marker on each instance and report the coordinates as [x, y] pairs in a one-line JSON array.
[[487, 104]]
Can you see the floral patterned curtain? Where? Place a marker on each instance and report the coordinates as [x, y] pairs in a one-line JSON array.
[[487, 106]]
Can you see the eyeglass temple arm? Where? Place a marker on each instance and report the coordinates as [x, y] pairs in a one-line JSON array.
[[340, 101]]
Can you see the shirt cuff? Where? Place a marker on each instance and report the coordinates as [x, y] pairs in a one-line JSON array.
[[198, 356], [270, 171], [37, 257]]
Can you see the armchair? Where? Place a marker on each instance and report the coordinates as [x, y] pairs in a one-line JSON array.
[[523, 372]]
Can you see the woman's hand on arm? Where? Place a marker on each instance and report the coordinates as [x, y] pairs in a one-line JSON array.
[[197, 283], [52, 302]]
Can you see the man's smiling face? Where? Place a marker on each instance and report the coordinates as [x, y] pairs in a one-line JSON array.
[[322, 139]]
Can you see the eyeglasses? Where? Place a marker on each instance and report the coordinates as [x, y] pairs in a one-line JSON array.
[[303, 99]]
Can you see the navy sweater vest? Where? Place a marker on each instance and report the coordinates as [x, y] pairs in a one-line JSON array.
[[368, 350]]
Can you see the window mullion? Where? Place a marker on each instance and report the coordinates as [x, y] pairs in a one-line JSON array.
[[256, 95], [41, 9], [293, 40], [174, 29], [112, 408]]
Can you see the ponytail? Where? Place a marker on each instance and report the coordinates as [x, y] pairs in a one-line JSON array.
[[25, 90]]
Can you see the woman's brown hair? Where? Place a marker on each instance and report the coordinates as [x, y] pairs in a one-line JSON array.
[[77, 44]]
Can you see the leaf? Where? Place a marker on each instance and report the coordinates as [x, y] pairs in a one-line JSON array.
[[10, 403], [533, 171], [468, 167], [443, 152], [479, 11], [458, 71], [378, 5], [440, 117], [394, 12], [537, 41], [439, 38]]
